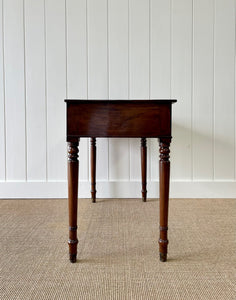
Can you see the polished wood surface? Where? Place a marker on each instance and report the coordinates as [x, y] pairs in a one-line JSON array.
[[144, 168], [164, 177], [118, 118], [93, 169], [73, 169]]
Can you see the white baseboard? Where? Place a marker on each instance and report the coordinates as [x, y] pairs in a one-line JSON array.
[[119, 189]]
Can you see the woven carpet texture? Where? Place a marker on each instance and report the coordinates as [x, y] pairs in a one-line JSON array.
[[118, 255]]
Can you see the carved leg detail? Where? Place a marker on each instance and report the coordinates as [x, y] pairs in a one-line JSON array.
[[93, 169], [164, 169], [144, 168], [73, 168]]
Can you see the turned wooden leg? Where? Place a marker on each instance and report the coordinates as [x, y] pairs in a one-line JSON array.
[[144, 168], [73, 168], [164, 169], [93, 169]]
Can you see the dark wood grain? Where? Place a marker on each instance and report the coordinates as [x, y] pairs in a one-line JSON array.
[[136, 118], [144, 168], [164, 170], [73, 168], [93, 169], [118, 118]]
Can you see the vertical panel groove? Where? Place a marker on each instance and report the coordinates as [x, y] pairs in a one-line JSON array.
[[129, 79], [108, 55], [235, 91], [87, 46], [14, 90], [203, 85], [171, 59], [108, 87], [224, 86], [128, 49], [171, 42], [46, 99], [56, 92], [149, 37], [213, 95], [149, 92], [4, 97], [171, 13], [66, 49], [192, 88], [87, 86], [26, 148]]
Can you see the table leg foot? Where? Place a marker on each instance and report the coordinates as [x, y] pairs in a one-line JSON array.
[[72, 258], [163, 257], [93, 196], [73, 248]]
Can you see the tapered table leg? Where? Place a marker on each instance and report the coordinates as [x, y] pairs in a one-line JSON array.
[[164, 169], [93, 169], [73, 168], [144, 168]]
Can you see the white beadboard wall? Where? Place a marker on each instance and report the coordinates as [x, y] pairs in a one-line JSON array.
[[117, 49]]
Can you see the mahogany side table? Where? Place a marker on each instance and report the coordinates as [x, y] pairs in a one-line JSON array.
[[125, 119]]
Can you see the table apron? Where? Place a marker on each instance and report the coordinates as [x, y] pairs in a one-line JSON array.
[[117, 120]]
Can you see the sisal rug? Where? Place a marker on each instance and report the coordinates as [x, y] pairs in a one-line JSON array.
[[118, 250]]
